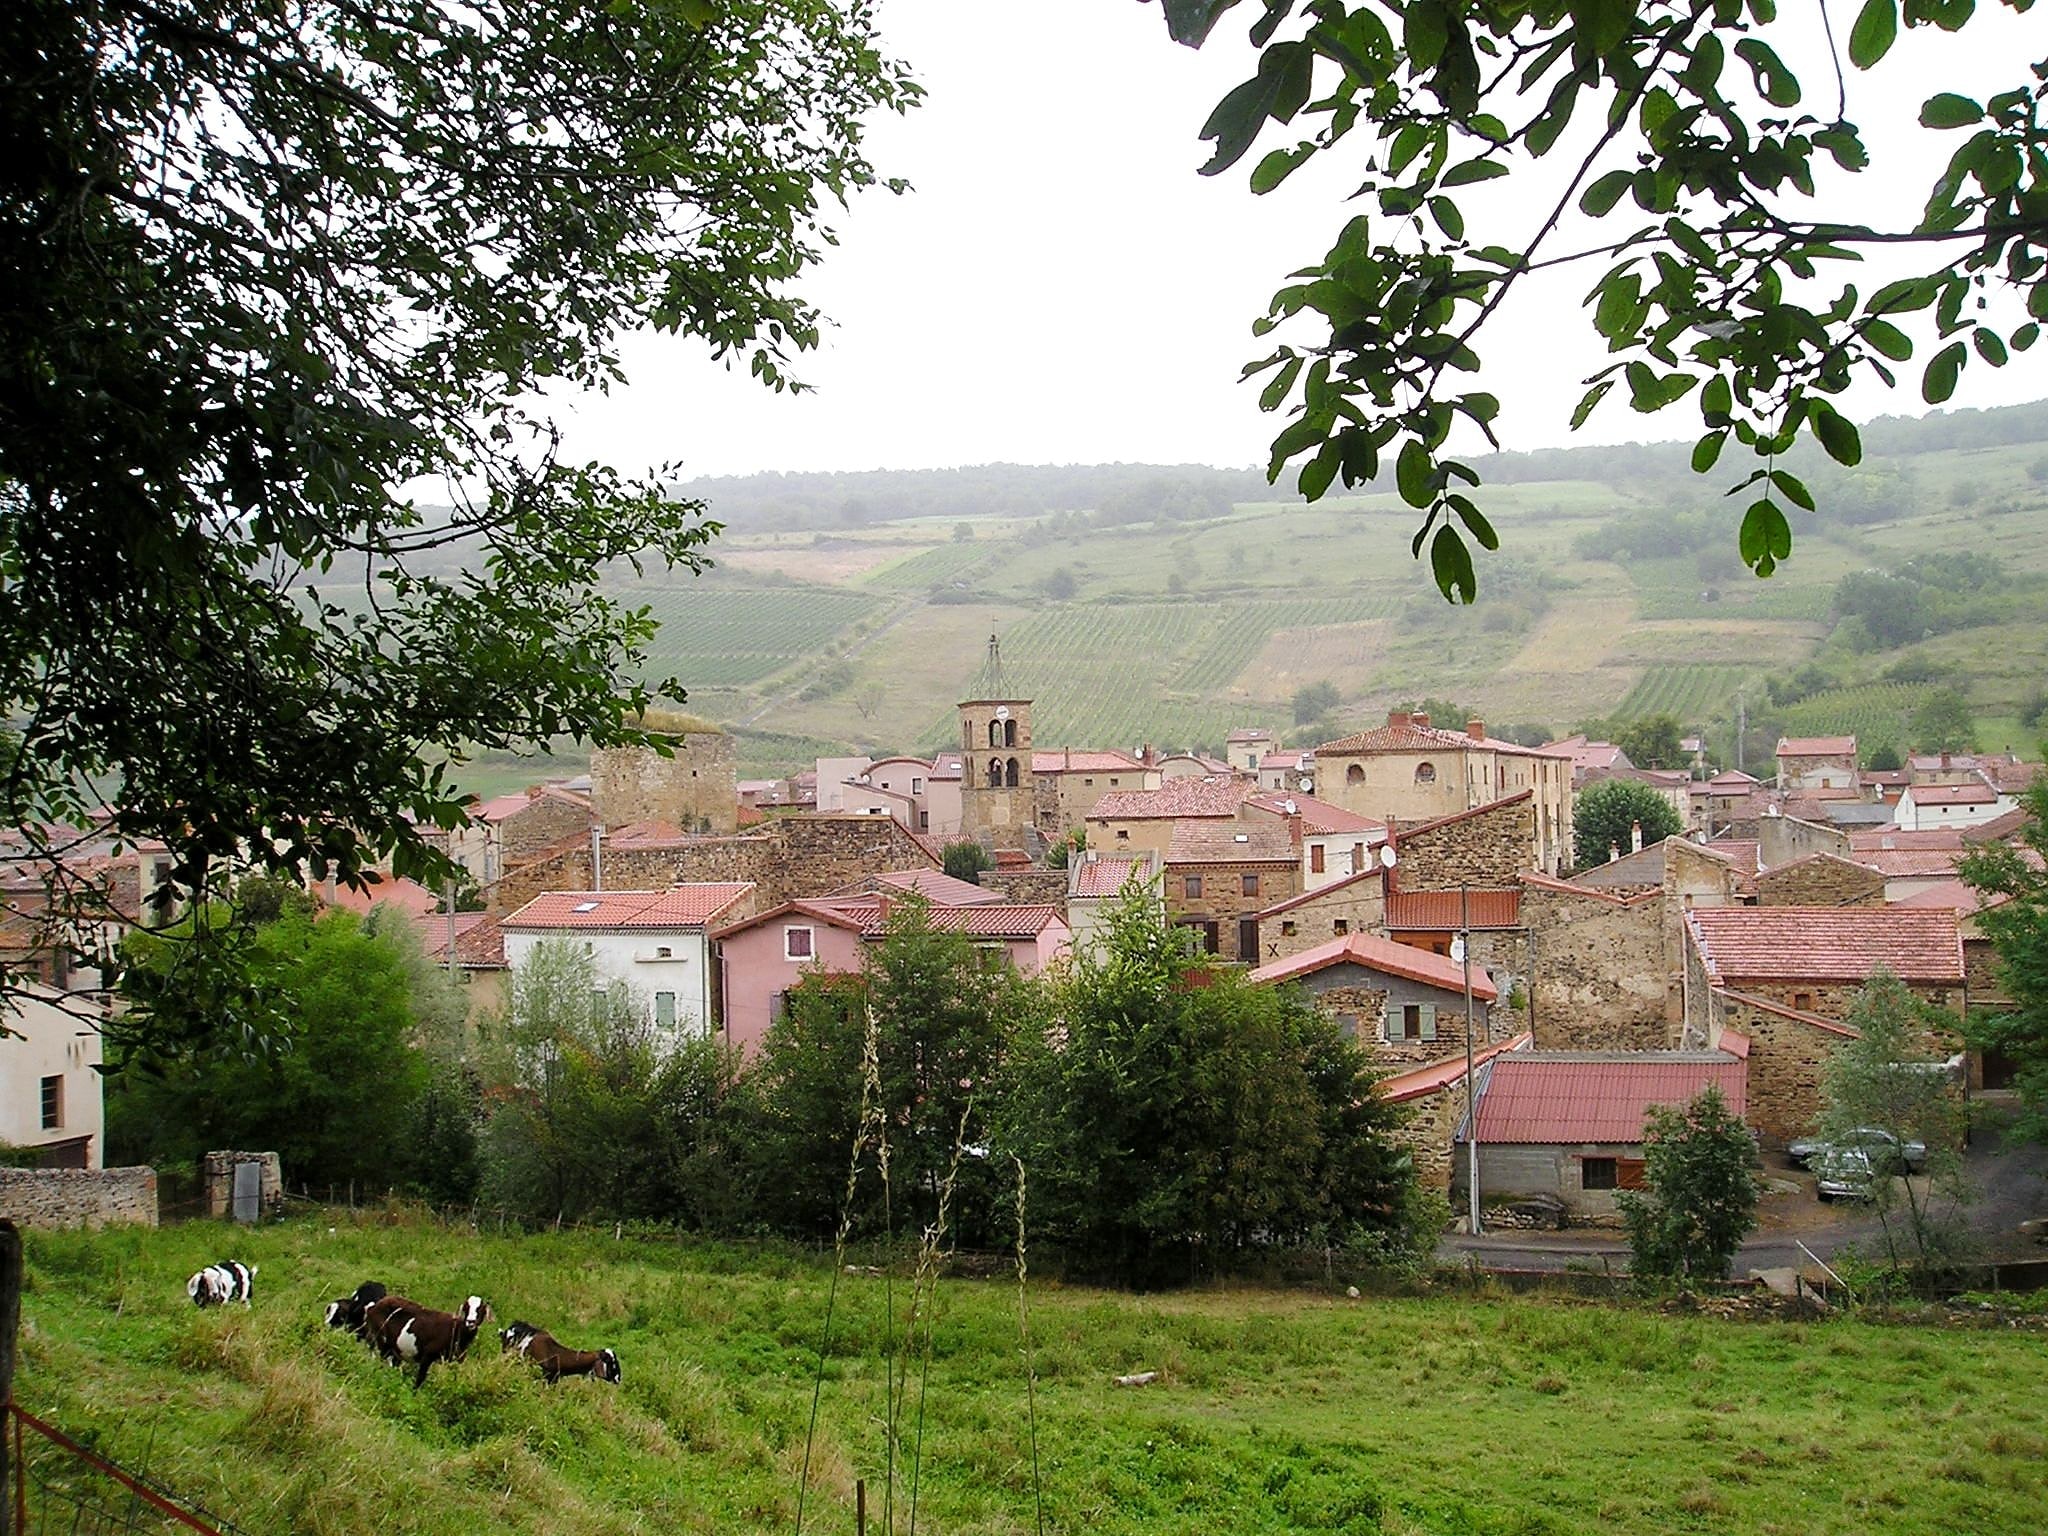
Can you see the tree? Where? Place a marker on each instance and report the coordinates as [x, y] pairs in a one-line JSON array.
[[1699, 1163], [272, 272], [1652, 742], [1314, 701], [1944, 722], [1606, 815], [965, 860], [1702, 142], [2012, 880], [1883, 758], [1067, 849], [1889, 1079], [1059, 584]]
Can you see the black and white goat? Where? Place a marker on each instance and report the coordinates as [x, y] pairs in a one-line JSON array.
[[352, 1311], [406, 1333], [218, 1284], [557, 1360]]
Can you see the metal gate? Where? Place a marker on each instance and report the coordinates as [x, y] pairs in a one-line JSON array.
[[248, 1204]]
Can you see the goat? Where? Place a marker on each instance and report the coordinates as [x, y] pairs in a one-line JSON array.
[[407, 1333], [352, 1311], [218, 1284], [557, 1360]]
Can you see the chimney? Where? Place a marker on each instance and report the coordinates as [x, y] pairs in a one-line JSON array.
[[1944, 760], [534, 791], [1397, 718], [1613, 852], [1476, 729], [596, 856], [1420, 721], [1635, 837]]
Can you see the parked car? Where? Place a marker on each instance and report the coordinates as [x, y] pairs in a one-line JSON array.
[[1844, 1173], [1880, 1147]]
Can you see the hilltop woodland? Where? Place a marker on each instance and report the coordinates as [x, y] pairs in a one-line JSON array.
[[1185, 1121]]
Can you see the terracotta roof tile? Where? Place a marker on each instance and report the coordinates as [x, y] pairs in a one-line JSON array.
[[1211, 795], [681, 907], [1545, 1099], [1233, 842], [479, 940], [1910, 863], [1105, 876], [1439, 911], [1426, 738], [1979, 793], [1376, 954], [1317, 817], [1075, 760], [1874, 839], [936, 886], [1816, 746], [1826, 943], [1000, 921]]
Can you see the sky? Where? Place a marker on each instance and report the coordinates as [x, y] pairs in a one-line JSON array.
[[1061, 286]]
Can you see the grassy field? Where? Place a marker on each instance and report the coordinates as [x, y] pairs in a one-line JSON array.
[[1276, 1411]]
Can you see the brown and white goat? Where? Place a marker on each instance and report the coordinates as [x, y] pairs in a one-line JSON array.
[[352, 1312], [555, 1359], [406, 1333]]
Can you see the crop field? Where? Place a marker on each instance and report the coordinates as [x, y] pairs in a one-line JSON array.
[[931, 567], [1874, 713], [720, 637], [1273, 1411], [1691, 693]]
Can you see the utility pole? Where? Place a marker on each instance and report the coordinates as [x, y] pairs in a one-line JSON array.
[[1471, 1086]]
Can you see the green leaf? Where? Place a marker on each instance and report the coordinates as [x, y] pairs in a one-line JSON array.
[[1603, 194], [1591, 398], [1989, 347], [1425, 29], [1281, 383], [1447, 217], [1707, 450], [2025, 336], [1794, 488], [1774, 82], [1319, 471], [1451, 563], [1949, 110], [1939, 381], [1766, 537], [1278, 165], [1474, 520], [1717, 401], [1877, 26], [1466, 171], [1837, 434], [1888, 339], [1415, 474]]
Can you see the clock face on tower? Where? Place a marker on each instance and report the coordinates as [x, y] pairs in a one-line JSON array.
[[1002, 711]]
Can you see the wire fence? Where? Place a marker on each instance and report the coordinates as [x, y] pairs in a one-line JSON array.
[[62, 1486]]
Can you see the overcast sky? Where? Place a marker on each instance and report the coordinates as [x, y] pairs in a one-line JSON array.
[[1062, 287]]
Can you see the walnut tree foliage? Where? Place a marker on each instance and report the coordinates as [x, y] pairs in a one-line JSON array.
[[271, 266], [1696, 149]]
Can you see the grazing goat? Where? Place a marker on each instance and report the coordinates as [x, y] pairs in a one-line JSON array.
[[557, 1360], [218, 1284], [352, 1312], [407, 1333]]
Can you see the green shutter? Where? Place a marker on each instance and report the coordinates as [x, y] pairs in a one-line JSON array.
[[1429, 1021]]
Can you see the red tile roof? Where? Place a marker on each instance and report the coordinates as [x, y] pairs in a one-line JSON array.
[[1731, 781], [1625, 896], [936, 886], [989, 922], [1910, 863], [381, 889], [1104, 876], [1376, 954], [682, 906], [1277, 762], [1249, 733], [1232, 842], [1587, 755], [1898, 837], [479, 941], [1543, 1099], [1072, 760], [1742, 852], [1949, 895], [1826, 943], [1979, 793], [1403, 1086], [1426, 738], [1438, 911], [1816, 746], [1317, 817], [1212, 795], [646, 834]]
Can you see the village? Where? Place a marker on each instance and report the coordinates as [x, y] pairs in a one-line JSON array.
[[1416, 878]]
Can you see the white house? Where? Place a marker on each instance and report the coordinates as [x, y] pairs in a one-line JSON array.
[[49, 1082], [1923, 807], [653, 941], [1335, 843]]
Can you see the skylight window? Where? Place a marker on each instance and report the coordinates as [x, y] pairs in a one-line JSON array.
[[584, 906]]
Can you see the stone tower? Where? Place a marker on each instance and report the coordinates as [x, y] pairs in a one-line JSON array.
[[996, 785], [696, 789]]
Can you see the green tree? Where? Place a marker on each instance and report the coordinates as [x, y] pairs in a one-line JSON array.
[[2012, 879], [1606, 815], [270, 272], [1063, 852], [965, 860], [1059, 584], [1314, 701], [1944, 722], [1652, 742], [1699, 1163], [1707, 283], [1883, 758], [1181, 1115], [1890, 1078]]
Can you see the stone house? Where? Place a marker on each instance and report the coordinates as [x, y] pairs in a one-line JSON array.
[[1820, 880], [1432, 1100], [1069, 784], [697, 788], [1729, 802], [1244, 747], [479, 955], [1494, 844], [510, 829], [1589, 757], [1817, 762], [1596, 974], [1356, 904], [762, 958], [50, 1055], [1288, 772], [1096, 882], [1640, 870], [655, 942], [1399, 1004], [1815, 959], [1432, 920], [1408, 771], [1787, 1050], [1221, 875], [1780, 838], [998, 792], [1568, 1125], [1335, 843], [1127, 821], [1190, 765]]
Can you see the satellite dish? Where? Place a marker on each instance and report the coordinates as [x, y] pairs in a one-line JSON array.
[[1386, 855], [1458, 951]]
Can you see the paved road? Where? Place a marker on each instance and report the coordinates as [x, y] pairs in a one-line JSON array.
[[2011, 1185]]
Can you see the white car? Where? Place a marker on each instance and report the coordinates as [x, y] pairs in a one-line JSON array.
[[1880, 1148]]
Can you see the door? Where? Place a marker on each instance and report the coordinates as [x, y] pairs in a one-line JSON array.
[[248, 1206], [1248, 940]]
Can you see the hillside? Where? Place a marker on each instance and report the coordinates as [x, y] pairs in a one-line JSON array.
[[1134, 607], [1275, 1411]]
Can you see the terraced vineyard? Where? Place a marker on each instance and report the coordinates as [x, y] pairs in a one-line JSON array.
[[1874, 713], [713, 637], [1691, 693]]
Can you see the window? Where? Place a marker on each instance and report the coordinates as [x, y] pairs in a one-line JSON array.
[[1315, 858], [1114, 782], [1191, 887], [917, 786], [1803, 1001], [663, 952], [1122, 835], [53, 1103], [995, 773], [1341, 927], [1286, 929], [995, 734], [1425, 773], [1597, 1173], [1088, 783], [1248, 885], [1013, 773], [665, 1010], [1010, 734], [796, 944], [1248, 939], [1354, 774], [924, 821], [1415, 1021]]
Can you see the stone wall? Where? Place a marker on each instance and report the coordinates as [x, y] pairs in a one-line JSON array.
[[1786, 1058], [1782, 839], [1492, 846], [1224, 901], [545, 820], [1375, 1001], [697, 789], [1359, 905], [217, 1182], [78, 1197], [1820, 880], [1029, 887], [1833, 1000], [1986, 981], [1598, 979], [1426, 1129]]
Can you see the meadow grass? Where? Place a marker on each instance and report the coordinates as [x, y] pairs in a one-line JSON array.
[[1275, 1410]]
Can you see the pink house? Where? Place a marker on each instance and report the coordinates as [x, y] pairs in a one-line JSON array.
[[761, 959]]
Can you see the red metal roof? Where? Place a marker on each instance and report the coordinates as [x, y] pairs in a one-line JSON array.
[[1403, 1086], [682, 906], [1439, 911], [1373, 953], [1826, 943], [1546, 1099], [1209, 796]]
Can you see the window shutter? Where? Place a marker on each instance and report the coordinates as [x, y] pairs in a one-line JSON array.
[[1429, 1021], [1628, 1173]]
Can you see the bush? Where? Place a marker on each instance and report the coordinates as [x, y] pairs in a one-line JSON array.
[[1699, 1162]]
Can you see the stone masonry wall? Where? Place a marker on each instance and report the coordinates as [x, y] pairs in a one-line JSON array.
[[1786, 1058], [1426, 1130], [1490, 847], [1781, 839], [78, 1197], [1361, 906], [1223, 900], [1820, 882], [217, 1180], [1028, 887], [1987, 983], [696, 789], [1599, 980], [544, 821], [1832, 1000]]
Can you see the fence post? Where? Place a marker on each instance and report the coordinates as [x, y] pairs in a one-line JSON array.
[[10, 1322]]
